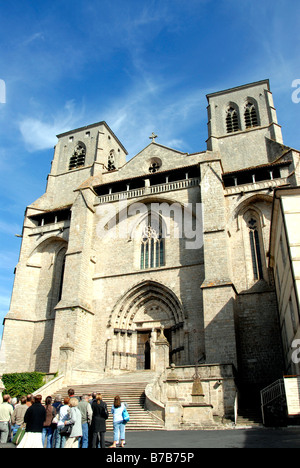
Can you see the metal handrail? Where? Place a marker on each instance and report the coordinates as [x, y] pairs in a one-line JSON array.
[[271, 393]]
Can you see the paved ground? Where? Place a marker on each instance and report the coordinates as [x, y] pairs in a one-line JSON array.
[[238, 438]]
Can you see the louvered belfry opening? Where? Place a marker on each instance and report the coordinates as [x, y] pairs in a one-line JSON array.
[[250, 116], [78, 157], [232, 121]]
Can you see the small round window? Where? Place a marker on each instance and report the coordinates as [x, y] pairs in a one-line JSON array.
[[154, 165]]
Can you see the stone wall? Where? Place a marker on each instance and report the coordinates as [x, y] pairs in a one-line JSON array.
[[171, 395]]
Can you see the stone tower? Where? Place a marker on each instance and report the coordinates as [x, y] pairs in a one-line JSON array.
[[45, 256], [241, 121]]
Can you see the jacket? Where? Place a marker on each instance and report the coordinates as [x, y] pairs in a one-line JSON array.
[[86, 412], [35, 417], [100, 415], [18, 414], [50, 413], [63, 415], [75, 419]]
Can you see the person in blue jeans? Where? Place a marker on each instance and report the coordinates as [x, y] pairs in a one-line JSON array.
[[48, 426], [17, 418], [86, 419], [60, 440], [118, 422]]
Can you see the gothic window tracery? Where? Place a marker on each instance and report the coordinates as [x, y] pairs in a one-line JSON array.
[[153, 167], [250, 115], [152, 247], [232, 121], [78, 157], [255, 248]]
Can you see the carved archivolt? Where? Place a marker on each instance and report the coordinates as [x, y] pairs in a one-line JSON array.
[[148, 295]]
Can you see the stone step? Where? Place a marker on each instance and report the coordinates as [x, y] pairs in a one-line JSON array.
[[132, 393], [249, 417]]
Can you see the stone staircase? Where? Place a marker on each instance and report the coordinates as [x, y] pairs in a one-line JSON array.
[[249, 417], [131, 389]]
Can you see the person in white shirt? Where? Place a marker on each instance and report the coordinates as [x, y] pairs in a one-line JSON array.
[[6, 411]]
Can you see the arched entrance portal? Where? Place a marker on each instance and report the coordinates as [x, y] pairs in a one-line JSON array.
[[146, 355], [143, 352], [148, 329]]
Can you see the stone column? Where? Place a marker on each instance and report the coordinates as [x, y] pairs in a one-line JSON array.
[[153, 358], [117, 360], [109, 350]]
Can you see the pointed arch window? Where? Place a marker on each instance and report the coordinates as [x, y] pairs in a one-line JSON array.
[[111, 165], [255, 248], [62, 277], [251, 119], [78, 157], [152, 246], [232, 120]]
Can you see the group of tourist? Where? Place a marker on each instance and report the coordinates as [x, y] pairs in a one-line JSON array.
[[74, 422]]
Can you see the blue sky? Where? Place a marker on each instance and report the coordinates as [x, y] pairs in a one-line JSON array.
[[140, 65]]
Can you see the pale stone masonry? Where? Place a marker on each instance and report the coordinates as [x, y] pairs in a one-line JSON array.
[[285, 261], [162, 259]]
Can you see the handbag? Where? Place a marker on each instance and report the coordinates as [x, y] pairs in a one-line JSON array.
[[55, 417], [125, 416], [55, 420], [19, 435], [105, 412], [66, 430]]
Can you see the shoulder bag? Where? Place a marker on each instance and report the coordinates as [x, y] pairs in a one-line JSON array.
[[125, 416]]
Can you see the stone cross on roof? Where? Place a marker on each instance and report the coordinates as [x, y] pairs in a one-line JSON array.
[[152, 137]]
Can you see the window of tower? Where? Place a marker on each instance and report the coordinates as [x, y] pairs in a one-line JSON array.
[[232, 121], [251, 119], [78, 157], [111, 165]]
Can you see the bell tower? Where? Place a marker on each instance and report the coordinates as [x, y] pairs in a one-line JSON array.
[[80, 154], [241, 121]]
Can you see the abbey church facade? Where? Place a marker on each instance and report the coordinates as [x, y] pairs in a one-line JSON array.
[[164, 259]]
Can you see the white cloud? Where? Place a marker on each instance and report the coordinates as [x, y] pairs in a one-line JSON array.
[[39, 134], [148, 106], [134, 117], [177, 144], [33, 37]]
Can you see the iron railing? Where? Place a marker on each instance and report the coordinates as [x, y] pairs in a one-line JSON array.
[[271, 393]]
